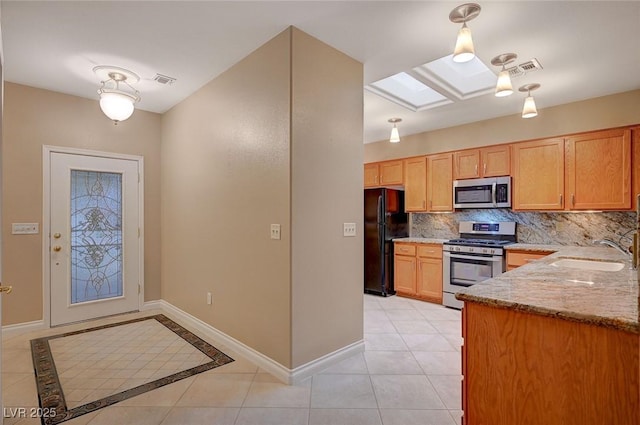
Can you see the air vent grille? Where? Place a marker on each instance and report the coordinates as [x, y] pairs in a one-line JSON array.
[[524, 68], [164, 79]]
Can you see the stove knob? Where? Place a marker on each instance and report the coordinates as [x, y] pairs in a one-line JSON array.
[[484, 251]]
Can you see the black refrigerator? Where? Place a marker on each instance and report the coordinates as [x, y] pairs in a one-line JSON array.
[[384, 220]]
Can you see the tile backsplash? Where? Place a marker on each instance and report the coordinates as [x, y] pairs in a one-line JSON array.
[[533, 227]]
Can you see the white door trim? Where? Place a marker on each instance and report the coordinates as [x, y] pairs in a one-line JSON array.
[[47, 150]]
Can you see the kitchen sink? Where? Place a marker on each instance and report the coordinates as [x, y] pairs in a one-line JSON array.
[[574, 263]]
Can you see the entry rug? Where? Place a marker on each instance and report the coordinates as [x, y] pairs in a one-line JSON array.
[[83, 371]]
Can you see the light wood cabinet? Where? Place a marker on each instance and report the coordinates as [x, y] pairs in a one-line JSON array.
[[415, 184], [387, 173], [371, 175], [521, 368], [517, 258], [418, 271], [598, 170], [404, 262], [492, 161], [440, 182], [538, 175], [429, 274], [635, 169]]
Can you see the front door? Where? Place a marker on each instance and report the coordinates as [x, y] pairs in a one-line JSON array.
[[94, 236]]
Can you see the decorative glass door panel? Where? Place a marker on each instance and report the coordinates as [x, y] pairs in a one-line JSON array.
[[96, 235], [94, 258]]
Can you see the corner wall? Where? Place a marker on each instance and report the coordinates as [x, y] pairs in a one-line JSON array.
[[33, 118], [616, 110]]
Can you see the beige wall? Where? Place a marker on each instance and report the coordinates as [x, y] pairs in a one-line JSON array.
[[33, 118], [326, 192], [592, 114], [277, 138], [225, 179]]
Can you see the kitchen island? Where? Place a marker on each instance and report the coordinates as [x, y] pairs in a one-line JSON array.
[[551, 344]]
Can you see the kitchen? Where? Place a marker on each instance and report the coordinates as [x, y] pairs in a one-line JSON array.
[[182, 151]]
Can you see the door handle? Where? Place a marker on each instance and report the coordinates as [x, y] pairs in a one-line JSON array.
[[57, 248], [6, 289]]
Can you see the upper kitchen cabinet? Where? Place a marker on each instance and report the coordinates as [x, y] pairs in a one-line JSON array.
[[491, 161], [415, 184], [440, 182], [538, 175], [387, 173], [598, 170], [371, 175], [635, 169]]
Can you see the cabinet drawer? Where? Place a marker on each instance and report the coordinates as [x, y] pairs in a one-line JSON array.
[[517, 259], [405, 249], [431, 251]]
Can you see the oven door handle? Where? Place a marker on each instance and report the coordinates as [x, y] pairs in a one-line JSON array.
[[494, 259]]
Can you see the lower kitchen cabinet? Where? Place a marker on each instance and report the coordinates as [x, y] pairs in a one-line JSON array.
[[527, 369], [418, 271], [517, 258]]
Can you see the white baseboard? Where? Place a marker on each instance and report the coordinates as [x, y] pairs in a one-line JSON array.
[[21, 328], [284, 374]]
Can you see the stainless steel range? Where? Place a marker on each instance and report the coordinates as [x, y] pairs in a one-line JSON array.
[[475, 256]]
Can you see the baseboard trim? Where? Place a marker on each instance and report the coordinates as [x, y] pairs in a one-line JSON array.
[[21, 328], [284, 374]]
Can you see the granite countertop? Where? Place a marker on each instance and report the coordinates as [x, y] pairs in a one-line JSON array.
[[421, 240], [601, 298]]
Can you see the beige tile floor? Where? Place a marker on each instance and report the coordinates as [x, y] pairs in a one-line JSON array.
[[409, 374]]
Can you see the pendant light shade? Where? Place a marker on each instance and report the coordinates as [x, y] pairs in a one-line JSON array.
[[395, 135], [503, 86], [464, 51], [117, 96], [529, 110]]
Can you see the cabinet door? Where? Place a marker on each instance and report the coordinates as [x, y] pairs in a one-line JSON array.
[[415, 185], [635, 136], [516, 259], [466, 164], [440, 182], [429, 285], [495, 161], [598, 170], [405, 274], [538, 175], [391, 173], [371, 173]]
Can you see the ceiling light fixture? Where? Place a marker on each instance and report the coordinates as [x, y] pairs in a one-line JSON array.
[[529, 110], [464, 50], [503, 87], [117, 96], [395, 136]]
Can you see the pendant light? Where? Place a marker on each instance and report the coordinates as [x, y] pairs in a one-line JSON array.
[[117, 96], [529, 110], [464, 50], [395, 136], [503, 87]]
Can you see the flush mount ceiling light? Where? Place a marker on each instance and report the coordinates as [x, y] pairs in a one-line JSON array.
[[117, 96], [464, 50], [395, 136], [503, 87], [529, 110]]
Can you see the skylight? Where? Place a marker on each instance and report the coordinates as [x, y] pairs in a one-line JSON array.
[[407, 91], [462, 80]]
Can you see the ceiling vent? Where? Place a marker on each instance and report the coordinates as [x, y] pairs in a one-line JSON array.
[[524, 68], [163, 79]]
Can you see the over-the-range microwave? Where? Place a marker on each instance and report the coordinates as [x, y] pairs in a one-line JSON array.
[[493, 192]]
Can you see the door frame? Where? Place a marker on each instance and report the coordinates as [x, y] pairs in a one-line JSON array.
[[47, 150]]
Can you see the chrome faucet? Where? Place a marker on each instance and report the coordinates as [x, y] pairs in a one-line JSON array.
[[612, 244]]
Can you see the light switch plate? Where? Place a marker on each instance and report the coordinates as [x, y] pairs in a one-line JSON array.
[[349, 229], [275, 231], [25, 228]]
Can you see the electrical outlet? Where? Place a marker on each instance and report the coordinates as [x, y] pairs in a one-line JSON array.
[[275, 231], [349, 229], [209, 298]]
